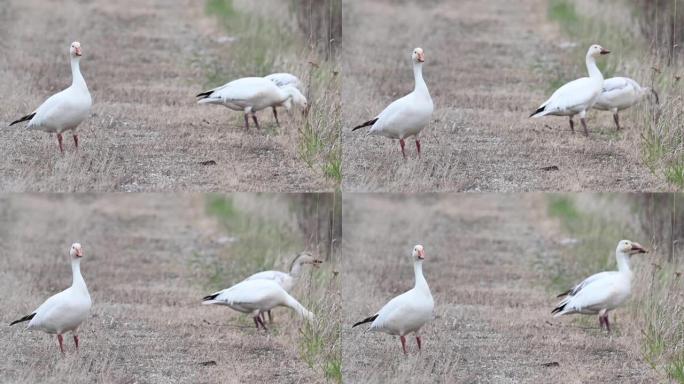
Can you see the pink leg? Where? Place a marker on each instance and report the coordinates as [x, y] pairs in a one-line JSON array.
[[261, 322], [403, 344], [402, 143], [76, 341], [256, 322], [418, 146], [418, 341], [600, 322], [605, 319], [270, 318], [61, 343], [246, 121], [59, 140], [76, 140]]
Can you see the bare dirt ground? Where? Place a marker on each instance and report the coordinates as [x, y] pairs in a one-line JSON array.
[[492, 308], [147, 324], [143, 65], [488, 65]]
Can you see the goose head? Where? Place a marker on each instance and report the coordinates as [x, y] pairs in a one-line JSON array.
[[304, 258], [418, 56], [596, 51], [418, 253], [294, 96], [630, 248], [75, 49], [76, 251]]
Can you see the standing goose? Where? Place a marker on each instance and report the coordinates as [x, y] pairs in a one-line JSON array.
[[407, 116], [284, 80], [621, 93], [252, 94], [603, 291], [409, 311], [287, 280], [65, 110], [255, 297], [577, 96], [65, 311]]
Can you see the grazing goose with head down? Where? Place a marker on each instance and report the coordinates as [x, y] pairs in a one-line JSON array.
[[287, 280], [577, 96], [408, 312], [65, 110], [252, 94], [65, 311], [255, 297], [604, 291], [407, 116]]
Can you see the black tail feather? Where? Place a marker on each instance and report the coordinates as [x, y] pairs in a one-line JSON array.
[[210, 297], [559, 308], [564, 293], [366, 320], [25, 118], [204, 95], [367, 123], [540, 109], [25, 318]]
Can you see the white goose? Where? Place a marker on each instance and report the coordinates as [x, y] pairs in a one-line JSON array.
[[287, 280], [409, 311], [283, 79], [252, 94], [65, 311], [255, 297], [577, 96], [603, 291], [621, 93], [65, 110], [407, 116]]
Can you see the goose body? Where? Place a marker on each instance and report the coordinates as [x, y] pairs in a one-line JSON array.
[[577, 96], [65, 311], [250, 95], [408, 312], [620, 93], [66, 110], [255, 297], [407, 116], [604, 291]]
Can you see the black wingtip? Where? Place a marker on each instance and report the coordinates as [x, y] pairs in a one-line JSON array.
[[367, 123], [25, 318], [210, 297], [366, 320], [540, 109], [558, 308], [27, 117], [204, 95]]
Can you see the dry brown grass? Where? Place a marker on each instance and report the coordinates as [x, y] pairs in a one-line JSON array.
[[492, 307], [143, 61], [489, 64], [147, 324]]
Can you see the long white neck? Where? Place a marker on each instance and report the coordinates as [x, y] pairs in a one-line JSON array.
[[623, 262], [78, 281], [77, 77], [421, 283], [418, 77], [301, 311], [296, 270], [593, 70]]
